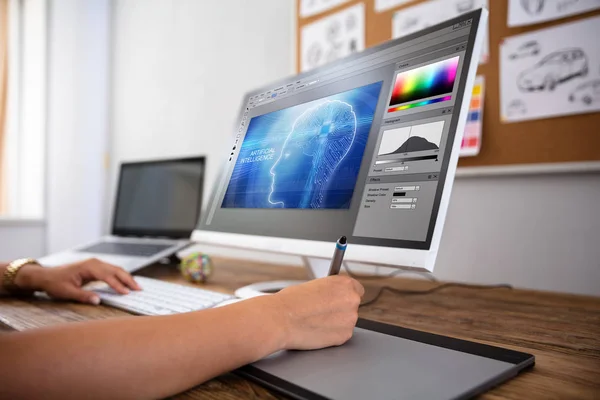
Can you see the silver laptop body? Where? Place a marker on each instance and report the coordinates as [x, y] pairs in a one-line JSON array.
[[157, 206]]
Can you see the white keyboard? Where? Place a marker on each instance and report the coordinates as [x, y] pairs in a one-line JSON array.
[[160, 298]]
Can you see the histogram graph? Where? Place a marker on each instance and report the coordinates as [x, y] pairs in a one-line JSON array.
[[411, 138]]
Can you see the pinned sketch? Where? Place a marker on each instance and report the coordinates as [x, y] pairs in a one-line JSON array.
[[532, 7], [454, 8], [471, 143], [426, 14], [416, 18], [587, 93], [527, 12], [516, 109], [556, 68], [308, 8], [384, 5], [527, 49], [333, 37], [551, 72]]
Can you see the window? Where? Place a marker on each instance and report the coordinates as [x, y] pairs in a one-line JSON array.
[[23, 128], [3, 99]]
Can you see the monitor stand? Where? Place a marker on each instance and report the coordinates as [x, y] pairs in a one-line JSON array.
[[316, 267]]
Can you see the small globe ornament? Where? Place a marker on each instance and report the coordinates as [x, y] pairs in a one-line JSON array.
[[196, 267]]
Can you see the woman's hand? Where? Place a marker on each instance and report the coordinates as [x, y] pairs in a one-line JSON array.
[[319, 313], [66, 282]]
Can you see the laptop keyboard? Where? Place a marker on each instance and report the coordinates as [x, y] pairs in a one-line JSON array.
[[126, 249]]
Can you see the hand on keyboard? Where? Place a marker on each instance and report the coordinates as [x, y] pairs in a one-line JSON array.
[[65, 282]]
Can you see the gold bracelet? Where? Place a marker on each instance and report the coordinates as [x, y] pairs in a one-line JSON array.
[[8, 279]]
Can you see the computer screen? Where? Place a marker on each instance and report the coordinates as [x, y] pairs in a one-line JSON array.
[[160, 198], [359, 148]]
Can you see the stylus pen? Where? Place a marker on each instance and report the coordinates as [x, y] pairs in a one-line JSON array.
[[338, 256]]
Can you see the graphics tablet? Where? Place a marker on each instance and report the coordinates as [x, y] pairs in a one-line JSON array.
[[388, 362]]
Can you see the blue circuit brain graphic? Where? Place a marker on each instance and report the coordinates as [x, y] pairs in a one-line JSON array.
[[319, 140]]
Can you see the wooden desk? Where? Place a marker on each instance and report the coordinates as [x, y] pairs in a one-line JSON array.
[[562, 331]]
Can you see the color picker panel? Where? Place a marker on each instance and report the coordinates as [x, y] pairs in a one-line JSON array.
[[427, 81], [419, 104]]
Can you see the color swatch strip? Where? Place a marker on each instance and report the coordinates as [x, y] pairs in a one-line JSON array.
[[471, 143], [430, 80], [419, 104]]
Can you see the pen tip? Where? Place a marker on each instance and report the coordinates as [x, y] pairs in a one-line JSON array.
[[342, 240]]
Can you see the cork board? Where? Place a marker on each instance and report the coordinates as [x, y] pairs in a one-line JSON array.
[[555, 140]]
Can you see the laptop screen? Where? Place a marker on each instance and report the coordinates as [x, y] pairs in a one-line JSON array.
[[160, 198]]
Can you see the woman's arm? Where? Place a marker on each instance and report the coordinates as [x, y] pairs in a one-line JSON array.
[[152, 357]]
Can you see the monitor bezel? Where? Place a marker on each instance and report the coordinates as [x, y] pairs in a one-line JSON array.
[[167, 233], [416, 255]]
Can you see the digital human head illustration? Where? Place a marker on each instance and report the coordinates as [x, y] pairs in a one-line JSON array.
[[318, 142], [306, 156]]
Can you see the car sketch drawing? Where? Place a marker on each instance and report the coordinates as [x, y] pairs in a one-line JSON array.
[[564, 5], [533, 7], [587, 93], [409, 24], [516, 107], [314, 55], [527, 49], [337, 39], [464, 6], [557, 67]]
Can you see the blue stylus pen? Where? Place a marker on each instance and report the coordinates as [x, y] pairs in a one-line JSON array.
[[338, 256]]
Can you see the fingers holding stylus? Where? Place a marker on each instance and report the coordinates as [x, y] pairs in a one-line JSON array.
[[358, 287]]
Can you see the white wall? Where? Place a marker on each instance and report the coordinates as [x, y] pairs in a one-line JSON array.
[[21, 239], [77, 129], [180, 69], [539, 231]]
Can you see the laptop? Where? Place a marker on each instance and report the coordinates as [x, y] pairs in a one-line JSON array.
[[157, 207]]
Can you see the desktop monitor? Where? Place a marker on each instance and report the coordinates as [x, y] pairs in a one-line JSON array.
[[364, 147]]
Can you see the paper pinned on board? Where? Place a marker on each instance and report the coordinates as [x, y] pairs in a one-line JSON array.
[[412, 19], [308, 8], [455, 8], [471, 143], [333, 37], [527, 12], [384, 5], [551, 72], [423, 15]]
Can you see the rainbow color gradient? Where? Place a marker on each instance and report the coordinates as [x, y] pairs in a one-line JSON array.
[[419, 104], [430, 80]]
